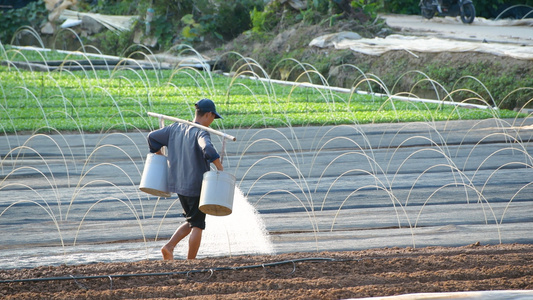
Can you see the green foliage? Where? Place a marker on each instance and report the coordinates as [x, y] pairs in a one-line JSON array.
[[320, 5], [369, 7], [492, 9], [265, 20], [164, 31], [112, 43], [233, 17], [192, 30], [487, 8], [408, 7], [501, 83], [311, 16], [116, 7], [34, 15], [191, 21], [317, 12], [119, 100], [258, 20]]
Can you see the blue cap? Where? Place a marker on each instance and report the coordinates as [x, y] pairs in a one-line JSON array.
[[208, 105]]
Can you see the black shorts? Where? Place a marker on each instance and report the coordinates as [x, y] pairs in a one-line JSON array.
[[194, 216]]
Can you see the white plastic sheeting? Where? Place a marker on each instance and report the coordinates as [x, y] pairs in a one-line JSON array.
[[116, 24], [378, 46], [476, 295]]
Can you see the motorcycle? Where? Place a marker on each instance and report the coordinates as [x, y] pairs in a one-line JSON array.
[[452, 8]]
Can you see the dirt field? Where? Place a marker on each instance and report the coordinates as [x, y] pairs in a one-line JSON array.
[[326, 275]]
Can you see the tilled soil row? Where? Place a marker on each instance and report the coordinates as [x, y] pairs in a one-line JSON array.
[[325, 275]]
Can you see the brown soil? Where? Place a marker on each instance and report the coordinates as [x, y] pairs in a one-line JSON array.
[[325, 275]]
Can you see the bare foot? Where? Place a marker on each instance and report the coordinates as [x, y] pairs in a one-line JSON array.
[[167, 253]]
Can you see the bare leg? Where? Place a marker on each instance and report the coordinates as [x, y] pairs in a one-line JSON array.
[[180, 233], [194, 242]]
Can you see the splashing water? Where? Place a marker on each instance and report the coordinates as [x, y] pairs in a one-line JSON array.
[[241, 232]]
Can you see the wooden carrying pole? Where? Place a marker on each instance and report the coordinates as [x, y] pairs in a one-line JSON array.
[[211, 130], [208, 129]]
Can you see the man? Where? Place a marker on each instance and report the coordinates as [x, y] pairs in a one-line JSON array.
[[190, 153]]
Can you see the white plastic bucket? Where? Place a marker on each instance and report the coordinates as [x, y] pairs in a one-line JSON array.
[[216, 197], [154, 178]]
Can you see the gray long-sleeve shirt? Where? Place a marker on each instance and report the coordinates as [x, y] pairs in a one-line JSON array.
[[190, 152]]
